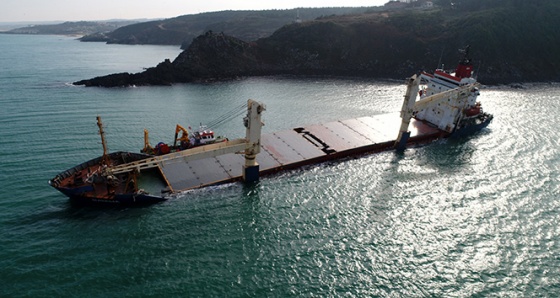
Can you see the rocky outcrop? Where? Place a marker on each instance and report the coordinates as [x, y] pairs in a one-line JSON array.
[[212, 56], [218, 56]]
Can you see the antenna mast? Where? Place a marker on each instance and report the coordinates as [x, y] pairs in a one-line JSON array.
[[440, 57]]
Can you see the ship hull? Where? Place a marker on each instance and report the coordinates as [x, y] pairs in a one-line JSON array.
[[119, 199], [82, 196], [472, 128]]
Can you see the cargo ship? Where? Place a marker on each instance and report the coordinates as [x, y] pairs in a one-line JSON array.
[[436, 105]]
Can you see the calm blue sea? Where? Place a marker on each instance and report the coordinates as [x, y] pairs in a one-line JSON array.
[[474, 217]]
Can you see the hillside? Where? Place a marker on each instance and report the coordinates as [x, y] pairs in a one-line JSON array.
[[515, 41], [70, 28], [245, 25]]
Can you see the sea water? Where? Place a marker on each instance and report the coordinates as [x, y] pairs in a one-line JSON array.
[[476, 216]]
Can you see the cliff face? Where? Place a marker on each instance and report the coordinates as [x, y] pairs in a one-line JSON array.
[[511, 44]]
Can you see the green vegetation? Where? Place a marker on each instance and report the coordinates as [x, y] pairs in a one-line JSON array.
[[511, 41], [512, 37], [245, 25]]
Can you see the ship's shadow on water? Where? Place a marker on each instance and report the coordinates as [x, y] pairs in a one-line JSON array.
[[84, 211], [251, 192], [452, 153], [92, 212], [63, 209]]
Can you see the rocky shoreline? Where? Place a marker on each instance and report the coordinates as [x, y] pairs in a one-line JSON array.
[[216, 56]]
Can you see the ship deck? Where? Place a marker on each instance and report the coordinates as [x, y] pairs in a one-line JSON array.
[[300, 146]]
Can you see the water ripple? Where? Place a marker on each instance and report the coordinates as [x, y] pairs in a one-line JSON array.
[[470, 217]]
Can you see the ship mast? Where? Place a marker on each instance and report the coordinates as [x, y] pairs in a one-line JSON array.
[[105, 157]]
